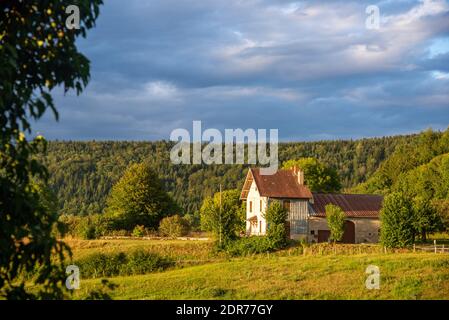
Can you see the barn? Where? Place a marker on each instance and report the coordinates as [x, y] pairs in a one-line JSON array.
[[306, 210]]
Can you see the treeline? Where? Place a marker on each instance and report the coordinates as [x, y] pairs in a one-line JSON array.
[[83, 173]]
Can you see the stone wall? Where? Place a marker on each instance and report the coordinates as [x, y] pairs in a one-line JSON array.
[[366, 229]]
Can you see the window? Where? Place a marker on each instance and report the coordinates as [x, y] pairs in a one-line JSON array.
[[260, 205], [260, 227], [287, 205], [312, 232], [250, 206]]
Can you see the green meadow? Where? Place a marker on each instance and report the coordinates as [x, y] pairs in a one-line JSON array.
[[317, 273]]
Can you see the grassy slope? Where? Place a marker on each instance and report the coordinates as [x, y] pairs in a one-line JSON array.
[[182, 251], [403, 276]]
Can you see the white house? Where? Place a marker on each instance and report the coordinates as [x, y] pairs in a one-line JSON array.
[[306, 210]]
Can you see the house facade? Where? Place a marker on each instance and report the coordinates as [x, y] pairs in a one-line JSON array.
[[306, 210]]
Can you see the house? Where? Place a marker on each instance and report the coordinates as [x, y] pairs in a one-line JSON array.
[[306, 210]]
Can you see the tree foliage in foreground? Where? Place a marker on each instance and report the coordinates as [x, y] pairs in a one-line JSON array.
[[335, 217], [139, 198], [37, 54]]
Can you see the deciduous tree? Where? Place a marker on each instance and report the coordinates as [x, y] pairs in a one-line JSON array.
[[37, 53], [317, 176], [139, 198], [335, 217]]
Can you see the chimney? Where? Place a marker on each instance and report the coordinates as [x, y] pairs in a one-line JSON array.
[[300, 177], [299, 174]]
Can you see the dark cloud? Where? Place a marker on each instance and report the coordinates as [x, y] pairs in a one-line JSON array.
[[309, 68]]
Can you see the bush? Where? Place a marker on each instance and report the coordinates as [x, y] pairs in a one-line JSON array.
[[248, 246], [174, 226], [88, 227], [120, 263], [139, 231]]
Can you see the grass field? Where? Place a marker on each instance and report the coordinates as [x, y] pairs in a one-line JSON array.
[[285, 275]]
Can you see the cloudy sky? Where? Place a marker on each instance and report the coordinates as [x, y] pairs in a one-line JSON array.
[[311, 69]]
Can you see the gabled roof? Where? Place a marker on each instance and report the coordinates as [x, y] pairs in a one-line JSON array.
[[282, 184], [354, 205]]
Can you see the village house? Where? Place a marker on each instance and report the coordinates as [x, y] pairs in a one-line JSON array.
[[306, 210]]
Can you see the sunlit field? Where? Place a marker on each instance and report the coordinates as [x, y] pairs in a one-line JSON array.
[[318, 273]]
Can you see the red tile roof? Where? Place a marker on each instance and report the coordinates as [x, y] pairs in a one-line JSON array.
[[282, 184], [354, 205]]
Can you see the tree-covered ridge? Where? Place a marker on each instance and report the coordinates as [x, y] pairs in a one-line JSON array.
[[415, 164], [83, 173]]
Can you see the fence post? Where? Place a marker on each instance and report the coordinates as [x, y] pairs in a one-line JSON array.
[[435, 245], [442, 249], [414, 247]]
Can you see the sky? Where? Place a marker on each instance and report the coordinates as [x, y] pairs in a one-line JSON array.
[[311, 69]]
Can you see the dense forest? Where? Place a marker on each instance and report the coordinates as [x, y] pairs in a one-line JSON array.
[[418, 167], [83, 173]]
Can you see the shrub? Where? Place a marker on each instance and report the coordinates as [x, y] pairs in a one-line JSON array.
[[249, 245], [87, 230], [139, 231], [174, 226], [120, 263], [88, 227]]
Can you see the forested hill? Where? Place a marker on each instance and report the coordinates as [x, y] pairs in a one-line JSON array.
[[82, 173], [419, 167]]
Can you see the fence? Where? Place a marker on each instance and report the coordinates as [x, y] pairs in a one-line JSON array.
[[432, 248]]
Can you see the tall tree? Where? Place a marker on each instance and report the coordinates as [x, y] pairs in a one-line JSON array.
[[222, 215], [37, 54], [317, 176], [397, 221], [276, 217], [426, 218], [139, 198]]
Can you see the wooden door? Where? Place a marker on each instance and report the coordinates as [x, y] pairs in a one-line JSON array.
[[349, 234], [323, 235]]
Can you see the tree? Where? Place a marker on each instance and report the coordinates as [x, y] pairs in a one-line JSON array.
[[276, 217], [37, 54], [317, 176], [139, 198], [335, 217], [397, 221], [426, 217], [442, 209], [222, 215]]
